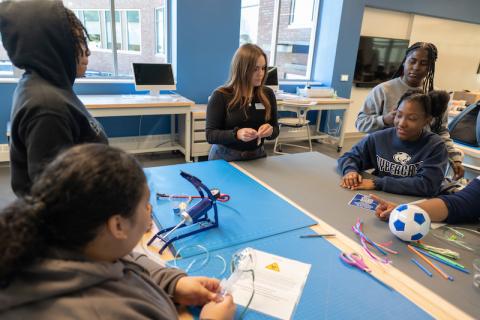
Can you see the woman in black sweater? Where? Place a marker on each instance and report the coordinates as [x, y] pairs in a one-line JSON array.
[[243, 112]]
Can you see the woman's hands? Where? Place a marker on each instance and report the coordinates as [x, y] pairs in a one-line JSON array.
[[249, 134], [222, 310], [194, 291], [265, 130], [389, 118], [354, 181], [458, 170]]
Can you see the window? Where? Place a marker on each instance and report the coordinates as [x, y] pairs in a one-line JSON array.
[[285, 30], [140, 34], [160, 31], [118, 29], [91, 21], [6, 67], [133, 30], [249, 21], [301, 13]]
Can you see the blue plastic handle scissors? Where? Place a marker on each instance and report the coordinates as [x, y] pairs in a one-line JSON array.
[[354, 259]]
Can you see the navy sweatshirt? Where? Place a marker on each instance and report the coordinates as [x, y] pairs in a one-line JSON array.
[[223, 123], [402, 167], [464, 206]]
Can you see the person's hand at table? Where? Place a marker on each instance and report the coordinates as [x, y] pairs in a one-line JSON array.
[[389, 118], [247, 134], [196, 291], [222, 310], [366, 184], [458, 170], [265, 130], [351, 180], [384, 207]]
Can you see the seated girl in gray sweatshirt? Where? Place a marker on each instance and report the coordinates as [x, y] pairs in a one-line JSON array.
[[65, 250], [416, 72], [407, 159]]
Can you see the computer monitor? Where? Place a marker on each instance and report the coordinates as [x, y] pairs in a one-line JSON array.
[[272, 78], [153, 77]]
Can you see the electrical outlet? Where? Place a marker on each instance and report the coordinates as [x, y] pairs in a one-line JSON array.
[[344, 77], [337, 119]]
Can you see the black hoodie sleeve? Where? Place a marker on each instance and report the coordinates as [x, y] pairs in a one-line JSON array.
[[44, 137]]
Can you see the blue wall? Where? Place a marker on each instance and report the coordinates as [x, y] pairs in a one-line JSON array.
[[205, 36]]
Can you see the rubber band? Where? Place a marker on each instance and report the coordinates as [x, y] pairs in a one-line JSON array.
[[224, 265], [204, 262], [365, 241]]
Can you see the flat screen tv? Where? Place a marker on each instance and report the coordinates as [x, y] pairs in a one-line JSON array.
[[377, 60]]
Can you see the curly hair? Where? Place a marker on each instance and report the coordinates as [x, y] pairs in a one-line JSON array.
[[79, 33], [73, 197], [434, 104]]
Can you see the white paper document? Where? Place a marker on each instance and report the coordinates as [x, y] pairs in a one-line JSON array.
[[278, 285]]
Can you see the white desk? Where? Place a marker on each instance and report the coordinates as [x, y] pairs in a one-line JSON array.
[[322, 104], [137, 105]]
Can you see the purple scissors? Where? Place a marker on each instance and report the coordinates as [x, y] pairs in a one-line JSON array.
[[354, 259]]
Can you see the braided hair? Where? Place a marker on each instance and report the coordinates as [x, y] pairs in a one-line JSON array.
[[79, 33], [432, 57]]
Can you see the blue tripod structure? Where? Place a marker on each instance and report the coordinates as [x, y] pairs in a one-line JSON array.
[[195, 218]]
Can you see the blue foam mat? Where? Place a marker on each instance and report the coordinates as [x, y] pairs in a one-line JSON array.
[[333, 289], [253, 212]]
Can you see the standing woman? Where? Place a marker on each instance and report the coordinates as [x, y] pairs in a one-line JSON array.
[[416, 72], [66, 249], [49, 42], [242, 113]]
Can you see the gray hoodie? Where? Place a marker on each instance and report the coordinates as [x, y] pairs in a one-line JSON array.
[[383, 99], [67, 286]]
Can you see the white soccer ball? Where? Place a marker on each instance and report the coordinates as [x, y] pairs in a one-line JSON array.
[[409, 222]]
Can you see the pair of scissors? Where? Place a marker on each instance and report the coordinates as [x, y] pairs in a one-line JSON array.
[[355, 260]]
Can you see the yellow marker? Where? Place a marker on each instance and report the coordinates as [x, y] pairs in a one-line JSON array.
[[274, 267]]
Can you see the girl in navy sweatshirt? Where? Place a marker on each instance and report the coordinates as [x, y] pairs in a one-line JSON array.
[[407, 159]]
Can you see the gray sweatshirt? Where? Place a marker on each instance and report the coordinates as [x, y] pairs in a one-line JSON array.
[[66, 286], [383, 99]]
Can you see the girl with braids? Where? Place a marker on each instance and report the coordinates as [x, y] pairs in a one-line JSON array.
[[407, 159], [416, 72], [49, 42], [65, 249], [242, 113]]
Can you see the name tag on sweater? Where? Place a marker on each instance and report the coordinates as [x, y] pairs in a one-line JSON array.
[[259, 106]]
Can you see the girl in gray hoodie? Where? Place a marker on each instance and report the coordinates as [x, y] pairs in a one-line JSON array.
[[65, 250]]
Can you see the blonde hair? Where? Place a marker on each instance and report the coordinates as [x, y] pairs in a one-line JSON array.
[[240, 84]]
